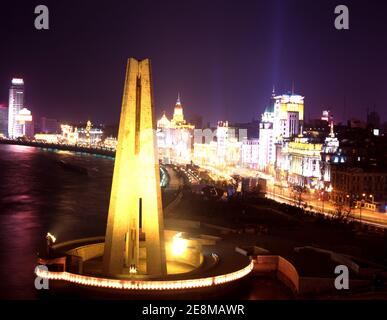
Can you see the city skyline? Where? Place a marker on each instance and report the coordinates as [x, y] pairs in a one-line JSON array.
[[205, 150], [303, 51]]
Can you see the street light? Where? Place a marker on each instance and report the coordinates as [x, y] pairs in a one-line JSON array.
[[361, 204]]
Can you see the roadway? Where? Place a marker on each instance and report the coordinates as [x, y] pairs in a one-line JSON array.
[[283, 195]]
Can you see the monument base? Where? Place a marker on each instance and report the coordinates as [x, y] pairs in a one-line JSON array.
[[197, 266]]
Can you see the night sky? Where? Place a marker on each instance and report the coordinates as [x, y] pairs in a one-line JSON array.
[[222, 56]]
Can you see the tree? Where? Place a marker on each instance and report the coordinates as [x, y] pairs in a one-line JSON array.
[[298, 191], [343, 211]]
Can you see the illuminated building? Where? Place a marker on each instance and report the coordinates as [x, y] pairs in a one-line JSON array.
[[250, 153], [281, 120], [178, 116], [228, 146], [205, 153], [24, 122], [47, 137], [3, 120], [163, 122], [83, 136], [110, 142], [326, 116], [135, 201], [69, 134], [224, 150], [330, 147], [15, 104], [304, 162], [89, 136], [174, 137]]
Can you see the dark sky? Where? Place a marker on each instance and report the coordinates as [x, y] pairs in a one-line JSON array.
[[222, 56]]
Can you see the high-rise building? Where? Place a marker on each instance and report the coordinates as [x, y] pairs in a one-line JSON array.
[[15, 104], [3, 120], [281, 120]]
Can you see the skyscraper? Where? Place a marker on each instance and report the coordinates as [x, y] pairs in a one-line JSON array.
[[281, 120], [16, 103], [3, 120]]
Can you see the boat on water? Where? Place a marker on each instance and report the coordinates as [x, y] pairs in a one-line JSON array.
[[73, 167]]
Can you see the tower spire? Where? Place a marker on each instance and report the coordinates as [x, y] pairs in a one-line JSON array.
[[332, 133], [178, 98]]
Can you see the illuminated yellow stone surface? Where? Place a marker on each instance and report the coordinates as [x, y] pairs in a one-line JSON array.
[[136, 181]]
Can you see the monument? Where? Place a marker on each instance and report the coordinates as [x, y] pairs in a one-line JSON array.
[[135, 202], [137, 254]]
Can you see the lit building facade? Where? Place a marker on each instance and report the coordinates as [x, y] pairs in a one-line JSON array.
[[175, 137], [84, 136], [15, 104], [224, 151], [304, 162], [250, 153], [69, 134], [47, 137], [89, 136], [24, 121], [110, 143], [328, 156], [3, 120], [205, 153], [281, 120]]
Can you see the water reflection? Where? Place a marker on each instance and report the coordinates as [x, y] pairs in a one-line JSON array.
[[36, 196]]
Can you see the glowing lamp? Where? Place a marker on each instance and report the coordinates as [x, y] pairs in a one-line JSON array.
[[51, 237], [179, 245]]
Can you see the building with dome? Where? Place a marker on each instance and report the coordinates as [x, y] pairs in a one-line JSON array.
[[175, 136]]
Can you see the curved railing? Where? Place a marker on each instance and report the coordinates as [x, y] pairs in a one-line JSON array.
[[132, 284]]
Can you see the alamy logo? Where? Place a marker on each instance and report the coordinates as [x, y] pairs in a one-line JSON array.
[[41, 21], [342, 20], [41, 283], [342, 280]]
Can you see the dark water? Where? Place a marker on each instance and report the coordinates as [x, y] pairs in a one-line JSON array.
[[36, 196]]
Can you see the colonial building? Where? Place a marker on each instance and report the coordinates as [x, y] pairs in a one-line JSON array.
[[329, 156], [223, 149], [366, 184], [304, 162], [175, 137]]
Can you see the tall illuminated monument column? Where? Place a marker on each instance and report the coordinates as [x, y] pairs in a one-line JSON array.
[[135, 202]]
